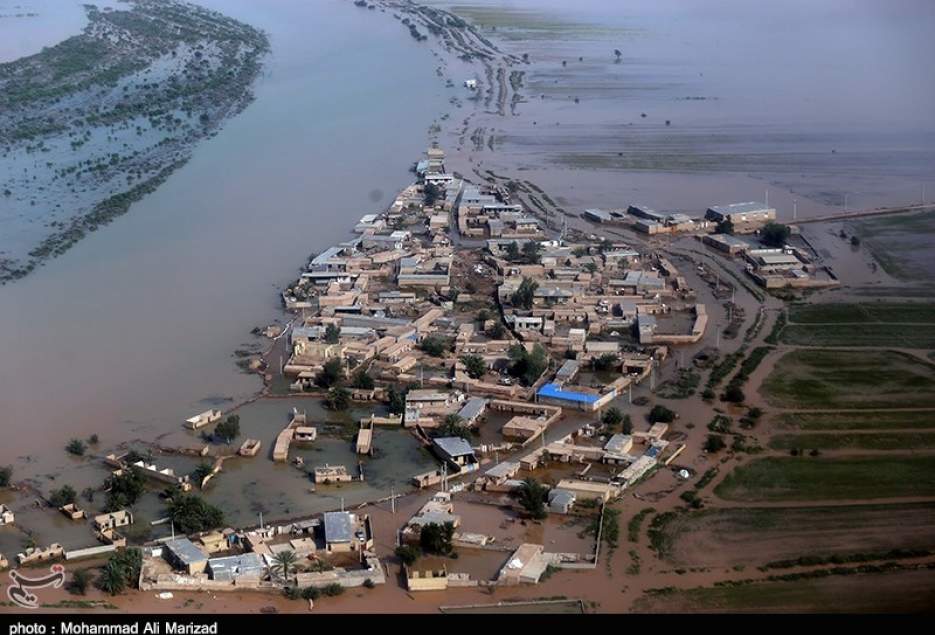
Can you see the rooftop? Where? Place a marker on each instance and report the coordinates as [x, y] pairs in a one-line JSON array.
[[339, 526]]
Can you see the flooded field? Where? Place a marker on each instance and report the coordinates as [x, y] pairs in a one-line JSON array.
[[693, 104]]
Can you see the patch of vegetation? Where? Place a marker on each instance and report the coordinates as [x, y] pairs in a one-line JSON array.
[[830, 379], [681, 387], [860, 441], [633, 527], [192, 514], [660, 539], [533, 497], [863, 478], [857, 420]]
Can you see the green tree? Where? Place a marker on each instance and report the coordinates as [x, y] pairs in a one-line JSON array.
[[191, 514], [396, 400], [605, 362], [284, 563], [496, 331], [229, 429], [201, 472], [63, 496], [436, 538], [453, 426], [512, 251], [362, 380], [733, 393], [408, 554], [660, 413], [714, 443], [528, 366], [338, 399], [431, 194], [627, 425], [532, 496], [332, 334], [332, 373], [775, 234], [434, 346], [532, 252], [474, 366], [112, 579], [612, 417], [76, 447], [523, 296], [124, 489]]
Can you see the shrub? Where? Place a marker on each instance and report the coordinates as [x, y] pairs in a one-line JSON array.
[[660, 413], [714, 443], [76, 447], [64, 496], [333, 590]]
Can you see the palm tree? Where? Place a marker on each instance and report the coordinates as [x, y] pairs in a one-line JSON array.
[[284, 563], [112, 579]]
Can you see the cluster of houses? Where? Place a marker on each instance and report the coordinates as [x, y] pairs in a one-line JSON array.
[[774, 267], [336, 548]]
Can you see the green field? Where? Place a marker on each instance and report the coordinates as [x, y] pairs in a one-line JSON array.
[[758, 535], [865, 334], [815, 479], [864, 312], [841, 379], [856, 420], [894, 592], [862, 441]]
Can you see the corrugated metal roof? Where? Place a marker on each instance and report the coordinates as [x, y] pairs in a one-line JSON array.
[[552, 391]]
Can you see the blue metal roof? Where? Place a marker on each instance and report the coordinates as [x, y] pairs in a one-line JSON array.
[[553, 391]]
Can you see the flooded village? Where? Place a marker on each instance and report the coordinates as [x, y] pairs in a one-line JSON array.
[[510, 386]]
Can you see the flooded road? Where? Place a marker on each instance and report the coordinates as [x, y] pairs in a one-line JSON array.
[[134, 329]]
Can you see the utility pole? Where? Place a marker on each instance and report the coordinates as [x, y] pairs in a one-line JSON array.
[[795, 208], [261, 520], [767, 198], [630, 393], [342, 503], [845, 201], [393, 500]]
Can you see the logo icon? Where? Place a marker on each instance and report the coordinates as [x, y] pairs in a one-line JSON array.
[[20, 591]]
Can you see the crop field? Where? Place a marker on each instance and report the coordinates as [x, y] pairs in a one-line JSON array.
[[862, 334], [858, 441], [841, 379], [856, 420], [867, 312], [898, 591], [816, 479], [759, 535]]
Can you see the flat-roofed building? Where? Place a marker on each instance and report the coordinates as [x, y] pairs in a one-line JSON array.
[[183, 554]]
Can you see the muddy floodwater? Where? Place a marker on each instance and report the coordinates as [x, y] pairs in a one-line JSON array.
[[712, 102], [133, 330]]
